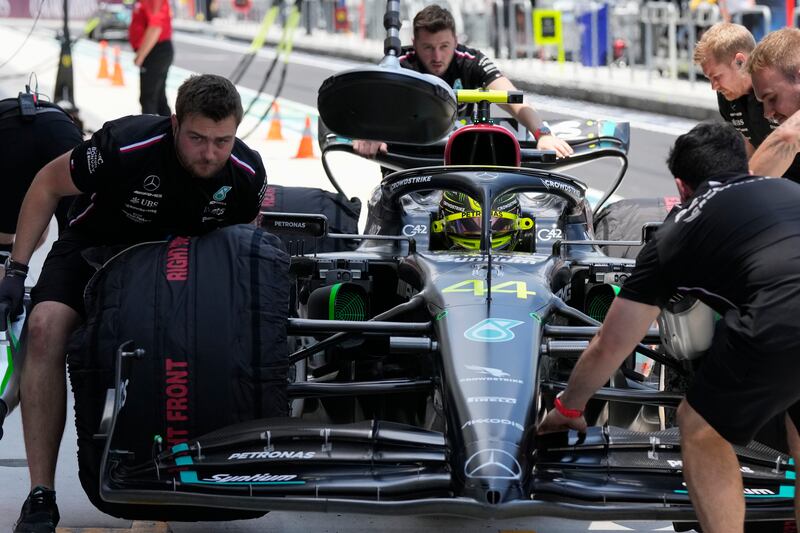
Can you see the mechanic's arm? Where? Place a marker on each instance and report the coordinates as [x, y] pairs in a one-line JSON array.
[[52, 183], [778, 150], [528, 117], [749, 148], [625, 325]]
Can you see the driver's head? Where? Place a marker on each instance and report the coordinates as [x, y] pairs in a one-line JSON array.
[[775, 68], [722, 53], [435, 39], [462, 221], [707, 151], [207, 112]]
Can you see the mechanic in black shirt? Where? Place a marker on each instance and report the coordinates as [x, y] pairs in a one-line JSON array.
[[775, 68], [436, 51], [734, 243], [147, 177], [722, 53], [32, 133]]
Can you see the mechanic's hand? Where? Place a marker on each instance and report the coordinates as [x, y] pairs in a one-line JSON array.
[[555, 421], [369, 148], [12, 291], [551, 142], [138, 60]]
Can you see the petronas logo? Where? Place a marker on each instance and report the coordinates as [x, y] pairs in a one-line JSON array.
[[492, 330], [221, 193]]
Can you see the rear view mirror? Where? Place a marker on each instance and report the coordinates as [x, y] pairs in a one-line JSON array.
[[649, 230], [295, 224], [388, 103]]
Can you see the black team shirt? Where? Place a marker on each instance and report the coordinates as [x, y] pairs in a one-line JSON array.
[[735, 245], [137, 190]]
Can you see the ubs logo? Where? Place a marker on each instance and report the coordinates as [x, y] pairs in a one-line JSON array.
[[151, 183]]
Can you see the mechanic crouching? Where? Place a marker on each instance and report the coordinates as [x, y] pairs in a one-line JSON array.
[[142, 178], [734, 243]]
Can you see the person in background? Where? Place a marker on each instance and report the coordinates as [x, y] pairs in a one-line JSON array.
[[150, 35], [436, 51]]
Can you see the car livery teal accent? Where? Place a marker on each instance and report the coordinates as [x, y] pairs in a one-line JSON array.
[[785, 491]]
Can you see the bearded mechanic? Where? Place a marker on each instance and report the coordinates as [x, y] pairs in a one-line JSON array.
[[144, 178], [751, 225], [436, 51]]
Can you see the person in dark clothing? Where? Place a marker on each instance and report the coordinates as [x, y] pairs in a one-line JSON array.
[[436, 51], [751, 225], [775, 68], [150, 35], [144, 178], [30, 139], [722, 53]]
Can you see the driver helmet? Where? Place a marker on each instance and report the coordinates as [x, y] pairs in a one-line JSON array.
[[460, 221]]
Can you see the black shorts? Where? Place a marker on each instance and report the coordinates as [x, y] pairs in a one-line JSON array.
[[65, 273], [737, 390]]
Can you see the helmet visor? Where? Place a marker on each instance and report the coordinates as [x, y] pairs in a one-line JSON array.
[[471, 226]]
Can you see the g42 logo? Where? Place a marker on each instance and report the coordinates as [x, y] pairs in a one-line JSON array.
[[547, 234], [409, 230], [478, 288]]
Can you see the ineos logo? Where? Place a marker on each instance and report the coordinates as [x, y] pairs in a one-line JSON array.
[[151, 183]]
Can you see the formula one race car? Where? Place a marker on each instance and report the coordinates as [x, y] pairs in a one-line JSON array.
[[421, 366]]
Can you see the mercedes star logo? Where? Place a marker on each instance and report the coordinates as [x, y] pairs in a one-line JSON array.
[[492, 464], [151, 183], [487, 176]]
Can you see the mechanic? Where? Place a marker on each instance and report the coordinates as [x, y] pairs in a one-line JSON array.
[[436, 51], [144, 178], [751, 225], [460, 220], [722, 53], [32, 133], [774, 66], [150, 35]]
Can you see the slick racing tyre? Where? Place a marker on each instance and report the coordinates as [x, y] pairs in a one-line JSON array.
[[210, 314]]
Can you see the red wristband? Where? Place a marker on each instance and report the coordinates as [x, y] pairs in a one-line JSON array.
[[569, 413]]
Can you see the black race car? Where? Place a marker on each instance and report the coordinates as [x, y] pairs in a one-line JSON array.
[[420, 373]]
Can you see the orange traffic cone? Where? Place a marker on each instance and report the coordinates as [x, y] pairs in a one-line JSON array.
[[274, 133], [103, 72], [117, 79], [306, 148]]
